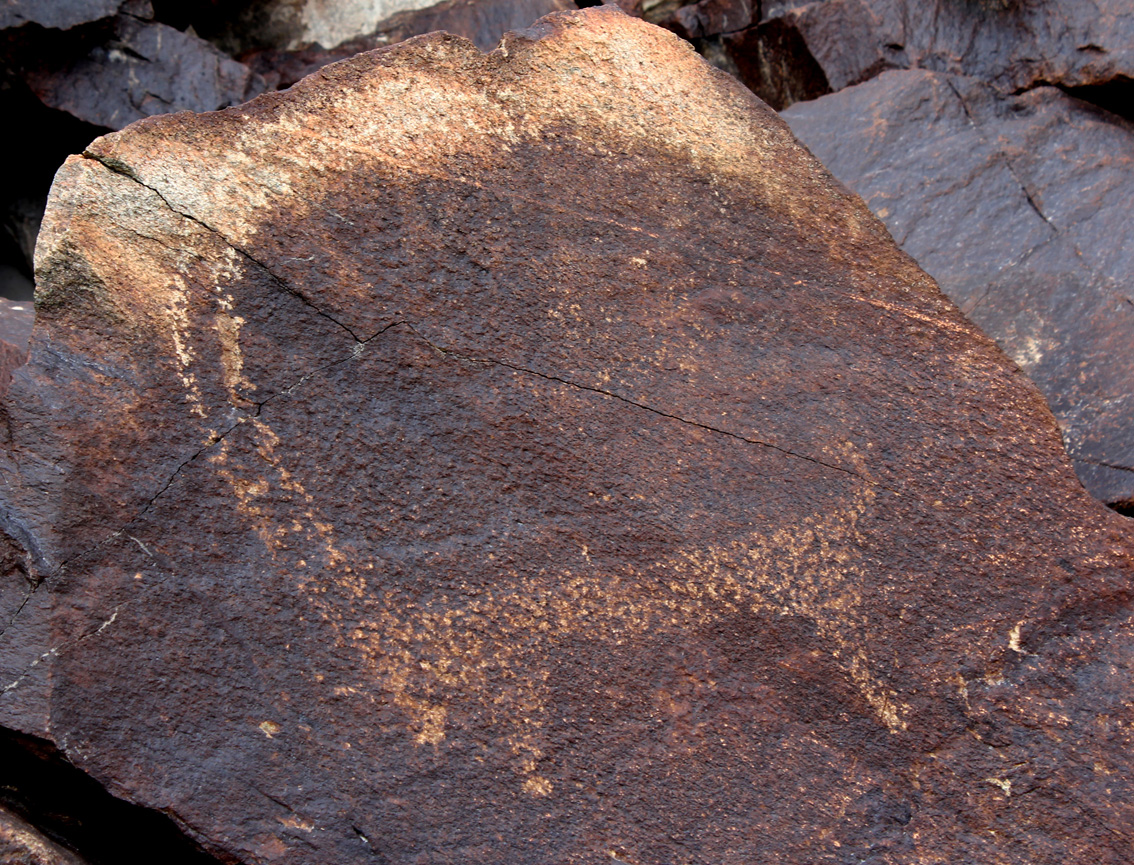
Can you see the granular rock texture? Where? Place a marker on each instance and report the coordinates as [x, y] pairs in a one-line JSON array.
[[538, 456], [1026, 221]]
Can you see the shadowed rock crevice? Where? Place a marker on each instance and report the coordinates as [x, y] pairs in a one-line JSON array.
[[1115, 96], [69, 806]]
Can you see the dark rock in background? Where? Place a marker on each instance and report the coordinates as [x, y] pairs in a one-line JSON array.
[[1010, 44], [144, 68], [297, 24], [59, 14], [539, 457], [37, 141], [710, 18], [1022, 208], [483, 21], [772, 60]]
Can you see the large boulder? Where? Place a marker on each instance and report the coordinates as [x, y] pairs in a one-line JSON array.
[[538, 456], [1022, 208]]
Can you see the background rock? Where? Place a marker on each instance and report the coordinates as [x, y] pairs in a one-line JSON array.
[[483, 21], [143, 69], [538, 456], [1010, 44], [256, 25], [772, 60], [1022, 208], [16, 321], [58, 14]]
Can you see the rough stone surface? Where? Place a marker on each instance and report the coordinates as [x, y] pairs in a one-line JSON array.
[[773, 61], [539, 457], [1023, 210], [300, 24], [710, 18], [16, 319], [144, 68], [56, 14], [1011, 44], [483, 21], [23, 844]]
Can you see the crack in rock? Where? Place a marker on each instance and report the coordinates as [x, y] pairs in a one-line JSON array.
[[120, 168]]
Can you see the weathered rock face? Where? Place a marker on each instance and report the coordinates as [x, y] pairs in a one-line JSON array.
[[58, 14], [1012, 44], [538, 457], [143, 68], [42, 797], [1027, 222]]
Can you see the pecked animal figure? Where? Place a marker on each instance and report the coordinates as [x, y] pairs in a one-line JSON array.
[[536, 456]]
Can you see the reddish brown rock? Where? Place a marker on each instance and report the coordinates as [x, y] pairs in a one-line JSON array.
[[1023, 210], [538, 456], [16, 319]]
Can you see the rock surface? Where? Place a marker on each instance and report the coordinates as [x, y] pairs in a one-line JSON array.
[[1011, 44], [774, 62], [143, 68], [16, 320], [23, 844], [538, 457], [299, 24], [483, 21], [57, 14], [53, 800], [1022, 209]]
